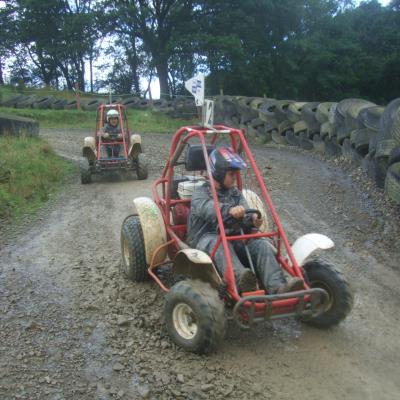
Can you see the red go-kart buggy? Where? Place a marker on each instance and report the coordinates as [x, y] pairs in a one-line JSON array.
[[199, 299], [116, 153]]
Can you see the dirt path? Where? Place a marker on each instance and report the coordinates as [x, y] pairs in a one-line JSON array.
[[71, 327]]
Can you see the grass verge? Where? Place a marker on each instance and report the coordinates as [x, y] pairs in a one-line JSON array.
[[30, 172], [139, 121]]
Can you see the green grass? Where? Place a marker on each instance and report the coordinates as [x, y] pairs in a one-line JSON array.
[[139, 121], [29, 173]]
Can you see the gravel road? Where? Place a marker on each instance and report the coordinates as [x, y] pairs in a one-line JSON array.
[[72, 327]]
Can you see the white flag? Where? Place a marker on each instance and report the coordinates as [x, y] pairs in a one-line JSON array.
[[196, 87]]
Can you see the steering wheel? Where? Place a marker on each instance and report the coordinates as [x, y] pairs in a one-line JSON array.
[[245, 223]]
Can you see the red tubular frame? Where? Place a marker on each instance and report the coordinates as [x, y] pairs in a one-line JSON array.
[[100, 123], [165, 202]]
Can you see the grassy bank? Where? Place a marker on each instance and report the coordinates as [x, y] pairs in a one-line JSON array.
[[29, 173], [139, 121]]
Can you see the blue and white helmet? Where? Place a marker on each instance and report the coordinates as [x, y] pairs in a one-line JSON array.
[[222, 160]]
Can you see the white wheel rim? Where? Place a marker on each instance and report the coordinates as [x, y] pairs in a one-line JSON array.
[[323, 285], [185, 321]]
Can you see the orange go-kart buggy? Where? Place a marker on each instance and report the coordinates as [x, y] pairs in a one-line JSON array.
[[198, 298], [116, 153]]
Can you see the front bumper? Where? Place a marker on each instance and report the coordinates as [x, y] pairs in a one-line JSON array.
[[113, 164], [309, 303]]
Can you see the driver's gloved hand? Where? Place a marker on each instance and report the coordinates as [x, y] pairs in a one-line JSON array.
[[237, 212], [257, 222]]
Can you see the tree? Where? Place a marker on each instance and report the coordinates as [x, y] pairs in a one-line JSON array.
[[155, 23], [58, 35], [6, 37]]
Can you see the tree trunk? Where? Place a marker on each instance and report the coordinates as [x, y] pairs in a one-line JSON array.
[[162, 72], [81, 75], [1, 74], [66, 75], [91, 71], [133, 63], [136, 83]]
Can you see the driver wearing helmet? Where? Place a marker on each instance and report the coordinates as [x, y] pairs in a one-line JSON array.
[[111, 132], [203, 223]]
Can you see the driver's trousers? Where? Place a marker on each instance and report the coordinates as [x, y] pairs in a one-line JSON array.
[[262, 255]]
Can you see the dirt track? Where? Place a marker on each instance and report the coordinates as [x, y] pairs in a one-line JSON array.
[[71, 327]]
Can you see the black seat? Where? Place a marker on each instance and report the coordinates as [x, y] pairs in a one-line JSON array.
[[194, 159]]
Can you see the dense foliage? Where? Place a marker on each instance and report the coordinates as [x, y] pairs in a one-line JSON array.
[[302, 49]]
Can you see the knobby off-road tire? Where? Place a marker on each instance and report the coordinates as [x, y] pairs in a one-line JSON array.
[[194, 316], [323, 275], [86, 175], [133, 250], [142, 169]]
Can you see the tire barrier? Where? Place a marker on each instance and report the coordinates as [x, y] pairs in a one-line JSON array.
[[366, 134], [26, 102], [361, 131], [59, 104], [12, 100], [392, 182], [182, 107], [71, 105], [91, 105], [11, 125], [43, 102]]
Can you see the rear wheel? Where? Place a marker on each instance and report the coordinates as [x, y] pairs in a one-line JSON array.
[[142, 170], [194, 316], [86, 175], [340, 296], [133, 250]]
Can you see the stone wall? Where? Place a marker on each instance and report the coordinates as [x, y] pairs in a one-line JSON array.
[[18, 126]]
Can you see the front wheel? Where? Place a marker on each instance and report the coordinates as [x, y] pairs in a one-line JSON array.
[[142, 168], [133, 250], [194, 316], [86, 175], [340, 296]]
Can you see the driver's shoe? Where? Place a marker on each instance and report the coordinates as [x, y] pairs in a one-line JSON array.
[[247, 281], [292, 285]]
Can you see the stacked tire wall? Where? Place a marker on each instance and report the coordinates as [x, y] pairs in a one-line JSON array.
[[180, 107], [365, 133]]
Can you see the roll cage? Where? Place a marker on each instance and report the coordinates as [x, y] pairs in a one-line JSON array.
[[101, 120], [162, 189]]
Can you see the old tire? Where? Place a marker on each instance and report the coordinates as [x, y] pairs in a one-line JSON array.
[[142, 169], [392, 182], [133, 250], [319, 274], [194, 316], [43, 102], [319, 144], [304, 142], [292, 139], [394, 156], [86, 175], [91, 105]]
